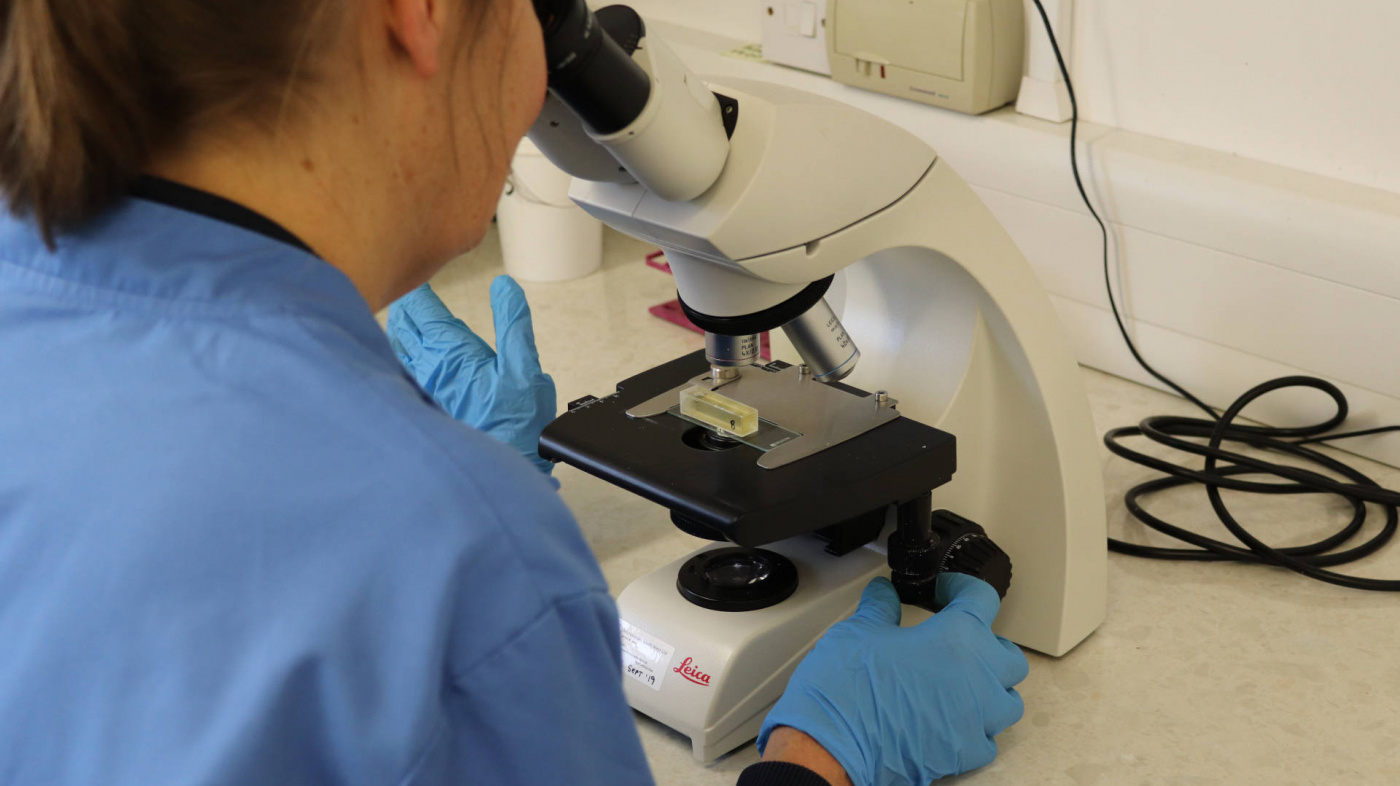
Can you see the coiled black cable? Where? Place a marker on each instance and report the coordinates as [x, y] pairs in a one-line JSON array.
[[1218, 429]]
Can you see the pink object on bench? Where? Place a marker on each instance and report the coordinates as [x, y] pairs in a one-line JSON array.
[[657, 260]]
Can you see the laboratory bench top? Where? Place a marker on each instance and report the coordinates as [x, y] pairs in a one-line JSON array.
[[1202, 673]]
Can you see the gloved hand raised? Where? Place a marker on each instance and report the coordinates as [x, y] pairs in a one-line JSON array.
[[906, 706], [502, 392]]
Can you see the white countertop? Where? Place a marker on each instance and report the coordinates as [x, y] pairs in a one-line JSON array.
[[1202, 673]]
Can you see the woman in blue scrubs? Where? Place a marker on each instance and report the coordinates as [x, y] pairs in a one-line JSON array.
[[240, 542]]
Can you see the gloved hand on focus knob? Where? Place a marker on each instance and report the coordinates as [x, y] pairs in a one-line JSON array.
[[907, 706], [502, 392]]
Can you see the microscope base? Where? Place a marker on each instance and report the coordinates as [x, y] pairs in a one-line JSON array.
[[714, 675]]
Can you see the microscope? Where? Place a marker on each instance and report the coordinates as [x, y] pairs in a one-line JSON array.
[[957, 436]]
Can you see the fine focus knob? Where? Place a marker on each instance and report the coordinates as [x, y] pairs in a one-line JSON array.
[[963, 547]]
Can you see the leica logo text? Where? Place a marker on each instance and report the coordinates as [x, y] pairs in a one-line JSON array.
[[691, 673]]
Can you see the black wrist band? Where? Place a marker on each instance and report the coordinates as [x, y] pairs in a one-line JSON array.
[[780, 773]]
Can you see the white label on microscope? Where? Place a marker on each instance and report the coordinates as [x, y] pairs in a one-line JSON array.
[[644, 657]]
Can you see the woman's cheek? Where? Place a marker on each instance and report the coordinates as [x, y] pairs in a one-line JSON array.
[[528, 63]]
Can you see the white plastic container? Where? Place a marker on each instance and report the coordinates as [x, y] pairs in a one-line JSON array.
[[545, 236]]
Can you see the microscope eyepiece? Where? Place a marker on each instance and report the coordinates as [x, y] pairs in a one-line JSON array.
[[651, 114], [588, 70]]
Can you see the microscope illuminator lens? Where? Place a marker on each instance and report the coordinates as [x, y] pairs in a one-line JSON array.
[[737, 579], [737, 571]]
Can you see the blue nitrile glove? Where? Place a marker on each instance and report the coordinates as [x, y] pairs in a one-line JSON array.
[[502, 392], [908, 705]]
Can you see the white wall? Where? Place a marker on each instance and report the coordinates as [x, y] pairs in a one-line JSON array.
[[1307, 84], [731, 18]]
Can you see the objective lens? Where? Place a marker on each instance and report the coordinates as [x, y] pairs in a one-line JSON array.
[[823, 343], [731, 351]]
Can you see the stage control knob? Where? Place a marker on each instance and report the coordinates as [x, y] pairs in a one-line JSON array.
[[963, 547], [951, 543]]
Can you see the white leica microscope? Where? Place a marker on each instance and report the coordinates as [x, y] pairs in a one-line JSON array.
[[780, 209]]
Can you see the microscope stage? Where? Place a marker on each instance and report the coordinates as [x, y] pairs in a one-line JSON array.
[[670, 461]]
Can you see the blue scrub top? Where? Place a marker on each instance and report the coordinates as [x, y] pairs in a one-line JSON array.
[[239, 546]]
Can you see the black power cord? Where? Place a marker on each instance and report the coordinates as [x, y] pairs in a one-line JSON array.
[[1178, 433]]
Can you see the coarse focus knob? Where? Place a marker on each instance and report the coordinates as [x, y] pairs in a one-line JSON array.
[[926, 545], [963, 547]]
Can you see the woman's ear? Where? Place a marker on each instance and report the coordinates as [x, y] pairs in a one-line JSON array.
[[415, 27]]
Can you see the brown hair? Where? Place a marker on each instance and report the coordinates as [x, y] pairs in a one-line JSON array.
[[90, 89]]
